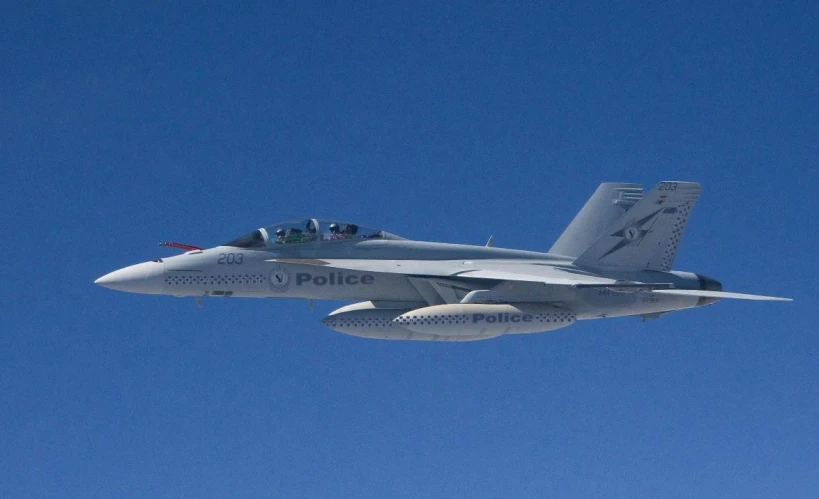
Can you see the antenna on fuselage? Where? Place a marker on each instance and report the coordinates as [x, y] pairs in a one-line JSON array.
[[491, 241]]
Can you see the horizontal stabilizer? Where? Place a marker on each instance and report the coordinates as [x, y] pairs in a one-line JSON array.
[[718, 294]]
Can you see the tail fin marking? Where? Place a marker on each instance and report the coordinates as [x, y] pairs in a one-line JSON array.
[[608, 203], [647, 236]]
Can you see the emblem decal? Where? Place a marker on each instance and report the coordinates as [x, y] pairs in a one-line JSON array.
[[279, 279], [634, 233], [631, 233]]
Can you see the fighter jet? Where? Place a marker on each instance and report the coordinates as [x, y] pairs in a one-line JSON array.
[[613, 260]]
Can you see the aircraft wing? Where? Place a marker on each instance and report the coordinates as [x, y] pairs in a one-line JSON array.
[[481, 269], [481, 281], [516, 281]]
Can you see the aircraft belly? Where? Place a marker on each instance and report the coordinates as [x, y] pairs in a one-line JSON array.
[[601, 303]]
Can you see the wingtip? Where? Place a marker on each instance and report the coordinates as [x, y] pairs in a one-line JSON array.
[[720, 295]]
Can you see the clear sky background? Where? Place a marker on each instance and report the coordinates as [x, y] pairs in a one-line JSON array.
[[123, 125]]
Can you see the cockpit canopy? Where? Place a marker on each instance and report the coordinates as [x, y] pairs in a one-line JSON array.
[[311, 230]]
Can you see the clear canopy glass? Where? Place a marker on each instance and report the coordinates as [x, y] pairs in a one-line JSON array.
[[310, 230]]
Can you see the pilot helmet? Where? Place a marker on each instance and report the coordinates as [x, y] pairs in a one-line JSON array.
[[333, 227], [280, 232]]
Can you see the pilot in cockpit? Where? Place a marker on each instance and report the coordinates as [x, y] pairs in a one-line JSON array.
[[280, 235], [335, 232]]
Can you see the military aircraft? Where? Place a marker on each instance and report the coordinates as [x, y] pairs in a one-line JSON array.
[[613, 260]]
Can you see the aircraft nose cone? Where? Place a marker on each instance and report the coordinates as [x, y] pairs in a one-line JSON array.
[[140, 278]]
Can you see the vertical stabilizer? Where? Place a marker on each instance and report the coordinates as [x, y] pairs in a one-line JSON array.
[[608, 203], [647, 236]]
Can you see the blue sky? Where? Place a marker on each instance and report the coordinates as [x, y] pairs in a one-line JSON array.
[[123, 125]]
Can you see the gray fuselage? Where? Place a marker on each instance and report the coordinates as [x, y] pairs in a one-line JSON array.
[[267, 273]]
